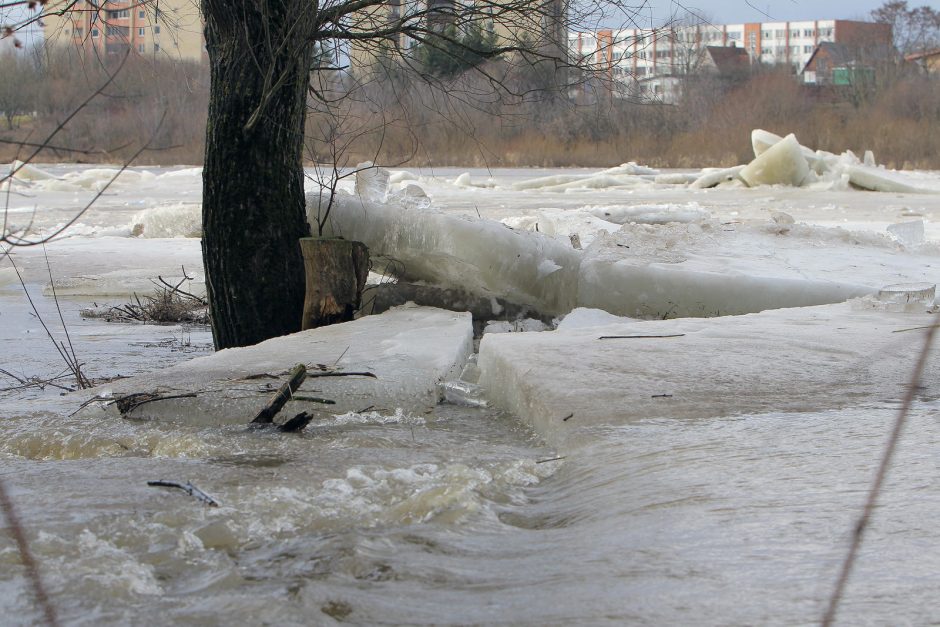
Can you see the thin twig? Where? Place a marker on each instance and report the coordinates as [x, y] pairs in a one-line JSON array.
[[886, 457], [76, 368]]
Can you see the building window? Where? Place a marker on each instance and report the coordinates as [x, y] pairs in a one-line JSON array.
[[156, 29], [156, 48], [141, 14], [808, 32], [117, 15], [94, 32], [140, 48], [807, 49], [766, 34], [140, 31], [825, 32], [780, 34], [117, 31]]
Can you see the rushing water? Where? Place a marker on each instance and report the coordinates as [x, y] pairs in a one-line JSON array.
[[458, 517]]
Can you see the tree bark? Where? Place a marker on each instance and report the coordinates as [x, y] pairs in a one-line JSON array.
[[253, 194], [336, 271]]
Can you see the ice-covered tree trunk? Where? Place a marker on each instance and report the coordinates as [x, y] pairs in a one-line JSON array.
[[253, 198]]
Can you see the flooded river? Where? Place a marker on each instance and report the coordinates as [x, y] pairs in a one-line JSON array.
[[459, 516], [454, 516]]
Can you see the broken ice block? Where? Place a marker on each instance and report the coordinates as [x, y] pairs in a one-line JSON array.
[[910, 233], [371, 182], [879, 180], [781, 164], [907, 297], [711, 177]]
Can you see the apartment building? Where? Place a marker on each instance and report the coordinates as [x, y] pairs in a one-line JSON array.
[[651, 55], [169, 28]]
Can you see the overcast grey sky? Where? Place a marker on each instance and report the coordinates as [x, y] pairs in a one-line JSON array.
[[736, 11]]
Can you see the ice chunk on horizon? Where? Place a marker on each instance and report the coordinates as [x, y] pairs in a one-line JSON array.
[[711, 177], [878, 180], [781, 164], [625, 175], [177, 220], [371, 182], [27, 172]]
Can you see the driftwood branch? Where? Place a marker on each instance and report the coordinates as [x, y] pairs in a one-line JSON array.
[[637, 337], [188, 488], [283, 394], [317, 375], [127, 404]]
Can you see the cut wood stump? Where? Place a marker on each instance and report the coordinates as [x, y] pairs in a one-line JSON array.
[[336, 271]]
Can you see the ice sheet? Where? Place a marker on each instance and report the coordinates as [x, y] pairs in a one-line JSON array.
[[409, 349], [788, 360]]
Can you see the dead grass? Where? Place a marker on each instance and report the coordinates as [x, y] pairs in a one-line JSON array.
[[710, 127]]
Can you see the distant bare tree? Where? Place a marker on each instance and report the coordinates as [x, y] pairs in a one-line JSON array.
[[915, 29]]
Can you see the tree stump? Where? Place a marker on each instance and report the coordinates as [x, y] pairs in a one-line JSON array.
[[336, 271]]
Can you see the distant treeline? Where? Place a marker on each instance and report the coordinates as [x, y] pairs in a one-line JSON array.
[[498, 120]]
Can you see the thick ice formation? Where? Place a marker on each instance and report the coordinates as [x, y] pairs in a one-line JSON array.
[[410, 350], [371, 182], [701, 268], [177, 220], [786, 360], [481, 256], [782, 163]]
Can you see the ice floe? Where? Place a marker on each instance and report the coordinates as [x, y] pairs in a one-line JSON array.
[[787, 360], [410, 350]]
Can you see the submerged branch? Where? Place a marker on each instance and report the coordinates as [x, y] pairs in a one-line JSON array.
[[188, 488]]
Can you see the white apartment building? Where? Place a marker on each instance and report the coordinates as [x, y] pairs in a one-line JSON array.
[[649, 56]]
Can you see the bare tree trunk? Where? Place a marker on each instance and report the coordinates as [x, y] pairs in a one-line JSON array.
[[253, 195]]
